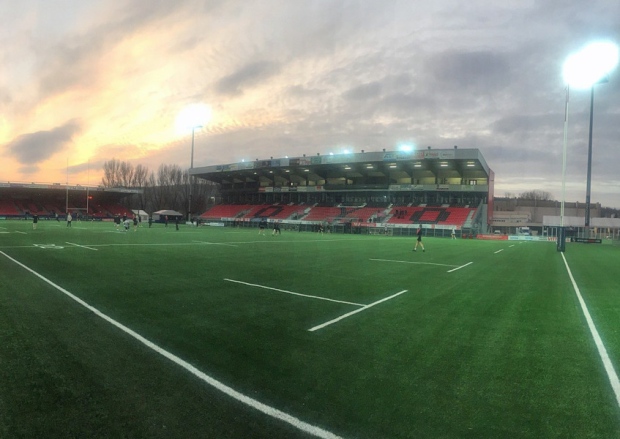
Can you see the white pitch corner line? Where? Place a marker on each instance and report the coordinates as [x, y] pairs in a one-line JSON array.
[[412, 262], [251, 402], [292, 292], [82, 246], [609, 367], [344, 316]]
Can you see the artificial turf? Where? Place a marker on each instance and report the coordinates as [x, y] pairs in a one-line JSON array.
[[497, 348]]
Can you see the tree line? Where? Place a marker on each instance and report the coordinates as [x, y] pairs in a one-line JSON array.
[[166, 188]]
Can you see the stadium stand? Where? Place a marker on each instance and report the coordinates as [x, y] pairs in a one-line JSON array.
[[363, 214], [225, 211], [320, 213], [8, 208]]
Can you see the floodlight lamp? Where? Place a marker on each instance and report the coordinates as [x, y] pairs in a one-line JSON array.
[[590, 65], [193, 117], [405, 148]]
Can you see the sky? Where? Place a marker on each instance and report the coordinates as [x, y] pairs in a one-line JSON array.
[[85, 81]]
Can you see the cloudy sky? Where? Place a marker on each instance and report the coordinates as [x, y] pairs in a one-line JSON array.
[[84, 81]]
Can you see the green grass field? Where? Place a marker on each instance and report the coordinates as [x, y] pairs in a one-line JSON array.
[[498, 348]]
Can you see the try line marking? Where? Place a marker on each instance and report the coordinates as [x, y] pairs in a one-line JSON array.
[[609, 367], [255, 404], [456, 267]]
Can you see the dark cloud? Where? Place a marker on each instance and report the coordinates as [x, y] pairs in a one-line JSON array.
[[247, 76], [364, 91], [37, 147], [471, 70]]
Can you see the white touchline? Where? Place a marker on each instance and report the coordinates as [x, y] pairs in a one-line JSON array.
[[413, 262], [500, 250], [268, 410], [293, 293], [344, 316], [609, 368], [83, 246], [458, 268]]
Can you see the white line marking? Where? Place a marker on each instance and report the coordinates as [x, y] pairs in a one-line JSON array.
[[23, 233], [413, 262], [83, 246], [458, 268], [344, 316], [511, 245], [501, 250], [609, 368], [255, 404], [215, 243], [291, 292]]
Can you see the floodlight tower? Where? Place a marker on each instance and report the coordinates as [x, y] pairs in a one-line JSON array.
[[191, 166], [192, 117], [582, 70]]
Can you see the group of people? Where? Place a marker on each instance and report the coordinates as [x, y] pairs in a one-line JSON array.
[[126, 222], [262, 225]]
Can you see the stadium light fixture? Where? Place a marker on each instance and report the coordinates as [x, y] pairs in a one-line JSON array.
[[405, 147], [583, 70], [192, 117]]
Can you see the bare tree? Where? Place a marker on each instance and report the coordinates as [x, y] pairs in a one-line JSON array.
[[536, 195], [141, 180], [126, 172], [111, 173]]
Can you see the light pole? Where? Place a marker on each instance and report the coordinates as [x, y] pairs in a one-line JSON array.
[[583, 70], [561, 235], [191, 166]]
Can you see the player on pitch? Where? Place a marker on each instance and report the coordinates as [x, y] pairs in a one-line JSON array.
[[419, 240]]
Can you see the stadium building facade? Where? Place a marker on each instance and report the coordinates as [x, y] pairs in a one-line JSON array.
[[433, 180]]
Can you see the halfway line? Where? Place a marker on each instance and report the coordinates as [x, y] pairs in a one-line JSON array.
[[609, 368], [291, 292], [264, 408], [344, 316]]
